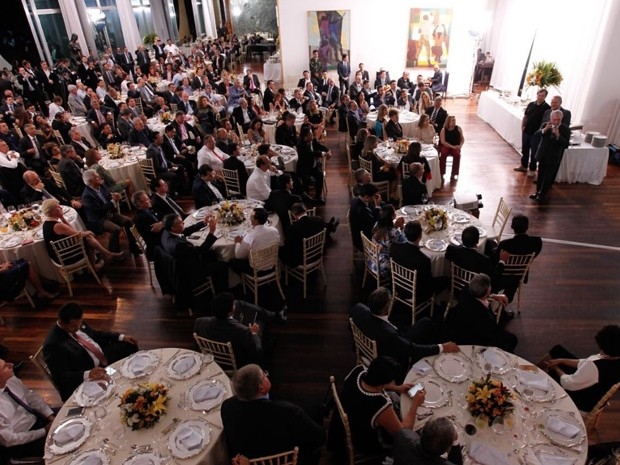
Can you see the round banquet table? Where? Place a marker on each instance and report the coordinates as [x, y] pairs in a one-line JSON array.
[[435, 243], [385, 151], [29, 245], [270, 125], [127, 166], [118, 444], [538, 411], [407, 120], [84, 128], [289, 155]]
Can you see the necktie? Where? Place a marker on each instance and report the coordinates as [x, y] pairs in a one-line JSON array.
[[173, 205], [46, 194], [127, 57], [10, 107], [100, 194], [434, 115], [110, 77], [28, 408], [96, 351], [35, 145], [164, 162], [252, 84], [215, 191], [329, 94], [174, 146], [100, 117]]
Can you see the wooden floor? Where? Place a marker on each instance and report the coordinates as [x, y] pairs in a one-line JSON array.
[[573, 287]]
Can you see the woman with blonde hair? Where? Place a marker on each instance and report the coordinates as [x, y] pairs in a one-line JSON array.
[[382, 113], [423, 103], [424, 131]]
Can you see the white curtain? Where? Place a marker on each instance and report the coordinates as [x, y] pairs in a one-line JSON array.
[[131, 34], [160, 25]]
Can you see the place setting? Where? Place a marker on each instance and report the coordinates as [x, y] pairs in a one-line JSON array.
[[189, 438], [140, 364]]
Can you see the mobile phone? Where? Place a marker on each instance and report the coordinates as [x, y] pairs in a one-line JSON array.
[[415, 389], [75, 411]]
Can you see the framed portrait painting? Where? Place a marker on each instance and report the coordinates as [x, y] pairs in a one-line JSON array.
[[329, 32], [429, 37]]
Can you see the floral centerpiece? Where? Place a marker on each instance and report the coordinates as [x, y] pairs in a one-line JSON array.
[[402, 146], [230, 213], [115, 151], [489, 398], [144, 405], [544, 74], [23, 220], [165, 117], [437, 218]]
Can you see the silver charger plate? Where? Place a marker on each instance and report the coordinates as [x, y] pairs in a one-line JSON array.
[[179, 358], [208, 404], [494, 360], [436, 393], [482, 231], [534, 453], [83, 400], [452, 367], [557, 438], [146, 458], [151, 359], [530, 393], [436, 245], [10, 240], [460, 218], [82, 457], [175, 445], [56, 448]]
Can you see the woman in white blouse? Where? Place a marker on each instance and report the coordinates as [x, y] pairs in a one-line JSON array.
[[424, 131]]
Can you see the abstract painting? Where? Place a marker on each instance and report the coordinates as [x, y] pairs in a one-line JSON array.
[[429, 37], [329, 32]]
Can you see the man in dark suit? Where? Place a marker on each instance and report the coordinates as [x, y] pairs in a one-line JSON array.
[[414, 190], [364, 213], [70, 171], [361, 71], [344, 71], [223, 327], [286, 134], [282, 199], [330, 94], [7, 136], [101, 214], [158, 48], [143, 60], [427, 448], [8, 110], [37, 190], [233, 163], [251, 83], [176, 152], [269, 95], [126, 61], [124, 124], [31, 149], [282, 425], [243, 115], [206, 190], [97, 115], [147, 223], [194, 261], [472, 322], [418, 342], [138, 135], [75, 352], [303, 81], [170, 172], [309, 164], [162, 203], [79, 144], [437, 114]]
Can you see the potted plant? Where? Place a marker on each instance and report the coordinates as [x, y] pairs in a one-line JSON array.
[[544, 74], [149, 39]]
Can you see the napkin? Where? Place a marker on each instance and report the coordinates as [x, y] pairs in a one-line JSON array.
[[562, 427], [183, 364], [535, 380], [189, 438], [487, 455], [92, 459], [138, 364], [422, 367], [206, 393], [545, 458], [93, 390], [68, 434], [491, 356], [142, 460]]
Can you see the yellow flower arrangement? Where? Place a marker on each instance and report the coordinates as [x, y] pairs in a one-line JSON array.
[[23, 220], [544, 74], [489, 398], [402, 146], [144, 405], [115, 151], [436, 218], [230, 213], [165, 117]]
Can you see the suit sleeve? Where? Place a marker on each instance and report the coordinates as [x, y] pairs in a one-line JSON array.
[[311, 435], [57, 359]]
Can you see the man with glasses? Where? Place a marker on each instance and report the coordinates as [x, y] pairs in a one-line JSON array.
[[256, 425]]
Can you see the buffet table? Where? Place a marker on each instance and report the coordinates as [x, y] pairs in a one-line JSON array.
[[29, 244], [385, 151], [190, 430], [545, 426], [502, 116], [407, 119], [583, 163]]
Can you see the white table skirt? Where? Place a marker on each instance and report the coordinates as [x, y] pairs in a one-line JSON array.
[[35, 252], [122, 168], [86, 131], [110, 425], [407, 119], [502, 116], [273, 71], [583, 163], [270, 127], [289, 155], [526, 435]]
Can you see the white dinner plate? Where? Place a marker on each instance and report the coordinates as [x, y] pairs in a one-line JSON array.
[[436, 245], [213, 391], [93, 392], [78, 429], [436, 393], [482, 231], [38, 234], [460, 218], [456, 239], [114, 164], [410, 211], [201, 213], [140, 364], [148, 458], [91, 457], [529, 392], [10, 240], [557, 438], [184, 365], [452, 367], [189, 438], [537, 454], [494, 360]]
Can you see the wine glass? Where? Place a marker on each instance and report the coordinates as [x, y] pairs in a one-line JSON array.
[[11, 209]]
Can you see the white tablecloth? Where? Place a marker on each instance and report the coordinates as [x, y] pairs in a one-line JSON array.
[[457, 221], [583, 163], [273, 71], [387, 153], [249, 154], [502, 116], [407, 119], [270, 126], [126, 167], [35, 251], [85, 129], [110, 427], [528, 435]]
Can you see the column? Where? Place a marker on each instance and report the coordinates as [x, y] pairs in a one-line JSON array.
[[87, 26], [131, 34], [159, 14], [73, 23], [209, 16]]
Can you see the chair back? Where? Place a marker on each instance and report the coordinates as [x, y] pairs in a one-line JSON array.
[[501, 217], [367, 165], [41, 364], [383, 189], [231, 180], [242, 136], [147, 168], [139, 239], [58, 136], [265, 258], [345, 421], [404, 286], [460, 280], [365, 348], [139, 106], [222, 353], [518, 265], [592, 416], [283, 458], [70, 252], [57, 177], [405, 170], [371, 256], [174, 107], [313, 250], [18, 132]]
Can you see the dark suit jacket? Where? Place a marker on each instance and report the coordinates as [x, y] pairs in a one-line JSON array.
[[283, 426], [203, 195], [280, 202], [154, 153], [472, 260], [187, 254], [308, 154], [393, 130], [81, 151], [286, 136], [413, 191], [161, 208], [29, 194], [96, 209], [334, 97], [237, 114], [246, 346], [407, 450], [124, 127], [246, 82], [25, 144], [144, 219], [268, 97], [410, 256], [233, 163], [72, 176], [440, 117], [68, 360], [361, 218], [306, 226]]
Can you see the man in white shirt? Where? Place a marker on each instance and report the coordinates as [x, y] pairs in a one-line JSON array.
[[258, 186], [25, 418], [172, 48], [209, 154], [259, 237], [8, 158]]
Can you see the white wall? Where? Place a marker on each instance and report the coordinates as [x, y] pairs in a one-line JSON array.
[[379, 36]]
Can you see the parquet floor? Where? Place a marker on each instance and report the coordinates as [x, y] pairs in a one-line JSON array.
[[573, 288]]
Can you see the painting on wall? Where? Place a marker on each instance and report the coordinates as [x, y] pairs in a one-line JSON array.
[[329, 32], [429, 37]]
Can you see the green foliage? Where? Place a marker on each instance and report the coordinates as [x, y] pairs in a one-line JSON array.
[[149, 38], [544, 74]]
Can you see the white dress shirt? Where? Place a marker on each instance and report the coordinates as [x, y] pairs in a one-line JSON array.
[[15, 420], [259, 237], [585, 376], [213, 158], [6, 161], [55, 108], [258, 186]]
